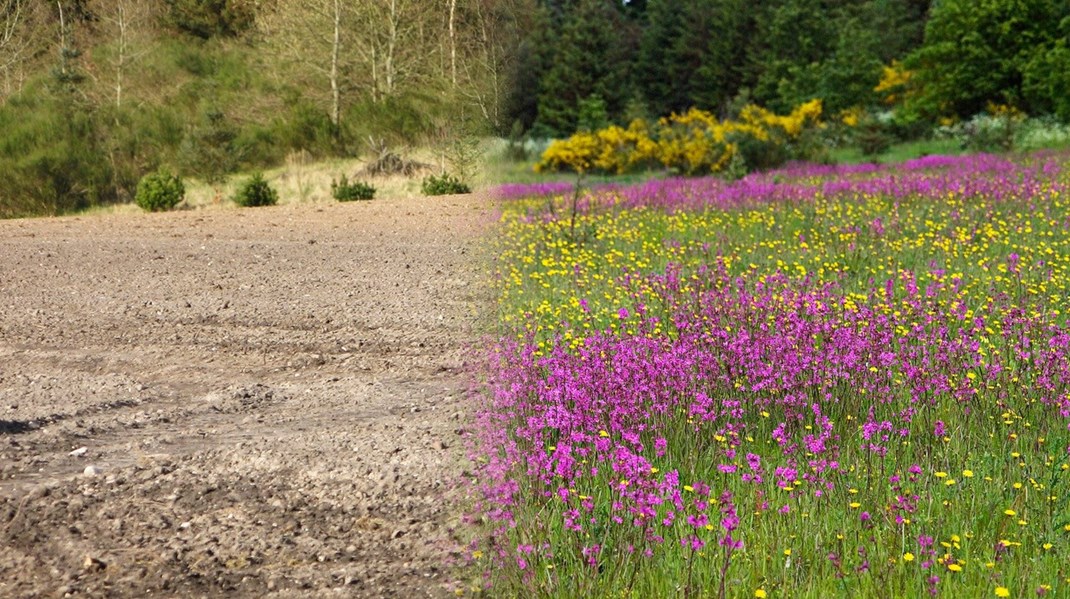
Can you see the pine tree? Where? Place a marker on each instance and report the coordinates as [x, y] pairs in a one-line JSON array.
[[591, 57]]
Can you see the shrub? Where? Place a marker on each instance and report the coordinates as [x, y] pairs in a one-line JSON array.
[[344, 191], [693, 143], [256, 192], [1041, 133], [444, 184], [988, 133], [873, 137], [157, 192]]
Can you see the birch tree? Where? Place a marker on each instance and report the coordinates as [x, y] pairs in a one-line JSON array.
[[126, 23], [21, 41], [317, 35]]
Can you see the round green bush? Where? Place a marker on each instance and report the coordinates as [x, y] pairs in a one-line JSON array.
[[444, 185], [256, 192], [157, 192], [344, 191]]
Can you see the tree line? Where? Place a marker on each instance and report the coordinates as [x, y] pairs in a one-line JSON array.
[[617, 60], [96, 93]]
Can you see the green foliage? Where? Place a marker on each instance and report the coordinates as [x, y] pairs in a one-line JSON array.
[[256, 192], [444, 184], [692, 53], [210, 18], [1042, 133], [873, 137], [208, 149], [976, 53], [52, 157], [344, 191], [1046, 82], [400, 120], [158, 192], [590, 57], [985, 133], [593, 113]]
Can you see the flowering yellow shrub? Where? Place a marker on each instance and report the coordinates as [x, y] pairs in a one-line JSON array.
[[611, 150], [852, 116], [695, 142], [894, 81], [1004, 110]]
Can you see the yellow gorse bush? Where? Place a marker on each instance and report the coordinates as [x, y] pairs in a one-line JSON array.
[[894, 82], [695, 142]]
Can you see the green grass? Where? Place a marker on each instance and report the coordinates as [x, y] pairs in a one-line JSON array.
[[900, 152]]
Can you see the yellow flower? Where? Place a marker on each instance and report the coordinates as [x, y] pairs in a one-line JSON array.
[[908, 557], [1003, 592], [855, 505], [955, 568], [967, 473], [760, 594], [1010, 512], [940, 474], [787, 552]]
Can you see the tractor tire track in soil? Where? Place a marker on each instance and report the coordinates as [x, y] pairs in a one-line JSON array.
[[241, 403]]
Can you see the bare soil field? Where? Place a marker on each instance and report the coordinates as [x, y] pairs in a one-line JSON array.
[[241, 403]]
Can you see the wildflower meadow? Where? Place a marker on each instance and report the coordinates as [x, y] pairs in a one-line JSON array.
[[817, 381]]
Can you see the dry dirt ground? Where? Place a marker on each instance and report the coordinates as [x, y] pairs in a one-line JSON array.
[[237, 402]]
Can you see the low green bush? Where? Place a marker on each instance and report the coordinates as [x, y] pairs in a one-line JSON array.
[[158, 192], [344, 191], [444, 184], [256, 192], [873, 137]]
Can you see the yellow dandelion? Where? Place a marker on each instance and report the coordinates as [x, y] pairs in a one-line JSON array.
[[760, 594], [908, 557], [967, 473], [955, 568], [1003, 592], [1010, 512]]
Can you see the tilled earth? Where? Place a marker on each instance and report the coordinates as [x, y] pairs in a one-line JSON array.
[[247, 403]]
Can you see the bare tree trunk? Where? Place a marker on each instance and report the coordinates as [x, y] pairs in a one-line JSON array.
[[9, 54], [336, 45], [62, 39], [120, 62], [375, 74], [453, 43], [391, 47]]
